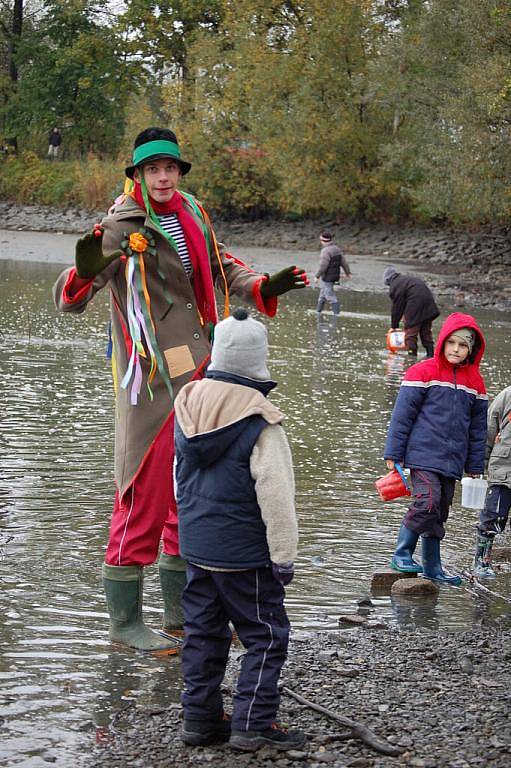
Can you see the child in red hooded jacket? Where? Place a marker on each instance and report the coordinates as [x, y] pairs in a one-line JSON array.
[[438, 430]]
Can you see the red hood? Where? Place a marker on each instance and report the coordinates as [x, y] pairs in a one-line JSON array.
[[453, 323]]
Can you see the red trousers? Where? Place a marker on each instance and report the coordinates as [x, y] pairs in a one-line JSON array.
[[147, 511]]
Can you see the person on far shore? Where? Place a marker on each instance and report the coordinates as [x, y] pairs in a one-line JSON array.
[[238, 535], [412, 300], [331, 260], [54, 142], [438, 430]]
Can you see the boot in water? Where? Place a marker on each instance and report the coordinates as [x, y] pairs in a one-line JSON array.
[[432, 565], [124, 595], [172, 570], [402, 559], [482, 560]]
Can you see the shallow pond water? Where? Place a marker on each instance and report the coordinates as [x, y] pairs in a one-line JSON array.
[[60, 679]]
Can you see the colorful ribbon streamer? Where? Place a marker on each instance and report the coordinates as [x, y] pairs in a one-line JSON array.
[[142, 332]]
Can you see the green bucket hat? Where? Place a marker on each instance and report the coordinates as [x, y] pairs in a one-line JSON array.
[[154, 150]]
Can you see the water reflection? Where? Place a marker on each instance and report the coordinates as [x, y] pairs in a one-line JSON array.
[[395, 367], [416, 611], [60, 679]]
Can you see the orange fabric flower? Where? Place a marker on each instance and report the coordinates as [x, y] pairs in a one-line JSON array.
[[137, 242]]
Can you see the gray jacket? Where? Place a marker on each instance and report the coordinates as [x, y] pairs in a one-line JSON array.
[[331, 259], [498, 441]]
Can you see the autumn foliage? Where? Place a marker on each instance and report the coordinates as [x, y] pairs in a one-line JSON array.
[[352, 109]]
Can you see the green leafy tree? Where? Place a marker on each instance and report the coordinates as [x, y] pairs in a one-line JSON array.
[[73, 73], [449, 151], [161, 32], [11, 26], [290, 83], [358, 108]]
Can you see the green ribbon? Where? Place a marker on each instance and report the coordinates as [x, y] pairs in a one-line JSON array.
[[205, 229], [154, 218]]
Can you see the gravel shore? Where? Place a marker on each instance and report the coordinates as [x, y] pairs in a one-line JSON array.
[[472, 265], [442, 698]]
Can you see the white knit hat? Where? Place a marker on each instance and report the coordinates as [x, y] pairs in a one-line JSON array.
[[240, 346]]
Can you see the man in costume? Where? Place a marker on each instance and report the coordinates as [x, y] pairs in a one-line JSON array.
[[157, 253]]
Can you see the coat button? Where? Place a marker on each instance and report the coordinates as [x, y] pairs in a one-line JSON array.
[[196, 336], [189, 305]]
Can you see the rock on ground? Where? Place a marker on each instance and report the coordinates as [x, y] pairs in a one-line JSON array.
[[383, 579], [443, 698], [414, 587]]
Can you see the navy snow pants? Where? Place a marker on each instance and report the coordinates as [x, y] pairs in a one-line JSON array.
[[432, 499], [253, 601]]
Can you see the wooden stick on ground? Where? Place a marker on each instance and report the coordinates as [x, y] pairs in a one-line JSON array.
[[359, 731], [475, 584]]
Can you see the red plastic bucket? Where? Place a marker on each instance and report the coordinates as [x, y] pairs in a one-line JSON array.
[[393, 485]]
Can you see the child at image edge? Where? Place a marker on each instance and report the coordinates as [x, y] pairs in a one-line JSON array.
[[438, 430], [494, 516], [238, 535]]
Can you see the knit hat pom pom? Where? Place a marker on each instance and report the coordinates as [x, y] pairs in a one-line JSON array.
[[240, 314]]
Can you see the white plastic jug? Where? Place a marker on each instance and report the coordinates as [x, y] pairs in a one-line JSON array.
[[473, 492], [395, 340]]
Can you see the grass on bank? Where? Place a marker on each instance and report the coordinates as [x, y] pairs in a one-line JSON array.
[[232, 185], [91, 184]]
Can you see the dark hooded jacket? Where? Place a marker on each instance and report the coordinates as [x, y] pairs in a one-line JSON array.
[[230, 518], [439, 419], [412, 299], [214, 483]]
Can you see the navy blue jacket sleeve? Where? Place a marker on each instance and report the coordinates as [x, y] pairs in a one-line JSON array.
[[408, 404], [474, 464]]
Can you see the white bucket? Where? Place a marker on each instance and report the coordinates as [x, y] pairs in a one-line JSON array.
[[395, 340], [473, 492]]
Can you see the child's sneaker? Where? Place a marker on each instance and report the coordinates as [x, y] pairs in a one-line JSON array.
[[274, 737], [200, 733]]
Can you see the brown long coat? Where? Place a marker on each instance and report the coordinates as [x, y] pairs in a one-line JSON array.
[[181, 338]]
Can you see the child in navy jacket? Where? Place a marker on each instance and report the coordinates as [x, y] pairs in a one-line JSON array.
[[438, 430]]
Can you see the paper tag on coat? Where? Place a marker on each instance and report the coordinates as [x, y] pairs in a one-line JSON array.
[[179, 360]]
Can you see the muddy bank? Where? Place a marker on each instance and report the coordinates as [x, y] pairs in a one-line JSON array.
[[442, 699], [471, 267]]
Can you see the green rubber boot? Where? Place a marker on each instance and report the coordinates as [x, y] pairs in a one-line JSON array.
[[482, 561], [124, 591], [172, 579]]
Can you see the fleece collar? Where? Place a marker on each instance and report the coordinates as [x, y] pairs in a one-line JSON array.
[[207, 406]]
